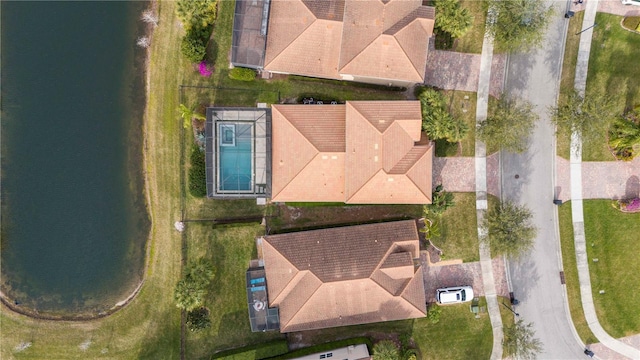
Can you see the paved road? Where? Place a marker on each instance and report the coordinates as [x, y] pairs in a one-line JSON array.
[[535, 277]]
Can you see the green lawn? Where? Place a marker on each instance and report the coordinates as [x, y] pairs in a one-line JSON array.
[[458, 335], [229, 248], [459, 238], [571, 274], [612, 50], [471, 42], [612, 238], [567, 79]]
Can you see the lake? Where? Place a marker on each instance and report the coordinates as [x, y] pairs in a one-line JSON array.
[[74, 221]]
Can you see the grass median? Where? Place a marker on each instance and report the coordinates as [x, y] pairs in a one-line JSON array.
[[571, 274]]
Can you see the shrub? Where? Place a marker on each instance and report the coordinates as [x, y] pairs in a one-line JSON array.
[[631, 206], [385, 350], [631, 23], [196, 13], [437, 122], [197, 173], [433, 314], [198, 319], [193, 47], [624, 135], [242, 74]]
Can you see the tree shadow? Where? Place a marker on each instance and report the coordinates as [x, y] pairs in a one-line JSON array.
[[523, 271], [632, 189], [518, 73]]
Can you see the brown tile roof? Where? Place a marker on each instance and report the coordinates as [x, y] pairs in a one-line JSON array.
[[344, 276], [364, 152], [365, 38]]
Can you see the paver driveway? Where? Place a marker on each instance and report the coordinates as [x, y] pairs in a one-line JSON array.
[[438, 276]]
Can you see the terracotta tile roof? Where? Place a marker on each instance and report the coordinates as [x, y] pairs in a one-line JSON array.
[[298, 42], [381, 156], [364, 152], [365, 38], [307, 153], [344, 276]]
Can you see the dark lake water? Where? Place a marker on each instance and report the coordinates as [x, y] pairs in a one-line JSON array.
[[74, 223]]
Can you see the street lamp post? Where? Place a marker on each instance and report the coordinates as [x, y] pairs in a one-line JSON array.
[[510, 309], [581, 31]]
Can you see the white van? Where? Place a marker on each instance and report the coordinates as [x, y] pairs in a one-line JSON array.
[[452, 295]]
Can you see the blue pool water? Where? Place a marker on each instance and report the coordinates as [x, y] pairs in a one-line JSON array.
[[235, 161]]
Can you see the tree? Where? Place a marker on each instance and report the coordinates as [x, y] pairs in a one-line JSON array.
[[437, 122], [193, 47], [509, 229], [385, 350], [441, 200], [517, 25], [192, 288], [198, 319], [451, 18], [196, 13], [187, 114], [590, 116], [149, 17], [520, 342], [509, 127], [624, 135]]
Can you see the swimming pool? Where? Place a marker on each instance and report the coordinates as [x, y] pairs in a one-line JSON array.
[[235, 156]]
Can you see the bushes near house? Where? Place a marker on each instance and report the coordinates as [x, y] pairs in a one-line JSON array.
[[197, 173], [242, 74]]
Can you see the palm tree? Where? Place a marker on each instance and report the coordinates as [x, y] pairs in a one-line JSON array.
[[385, 350], [187, 114]]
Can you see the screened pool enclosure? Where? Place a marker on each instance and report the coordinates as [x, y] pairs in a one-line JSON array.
[[237, 140]]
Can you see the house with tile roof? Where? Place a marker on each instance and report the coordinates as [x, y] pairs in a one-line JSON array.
[[362, 152], [373, 41], [344, 276]]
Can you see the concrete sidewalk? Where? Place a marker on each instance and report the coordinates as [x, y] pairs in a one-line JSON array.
[[481, 200], [576, 198]]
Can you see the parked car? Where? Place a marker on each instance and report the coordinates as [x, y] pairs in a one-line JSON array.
[[452, 295], [631, 2]]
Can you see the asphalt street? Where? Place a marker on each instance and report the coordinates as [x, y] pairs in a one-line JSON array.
[[527, 179]]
